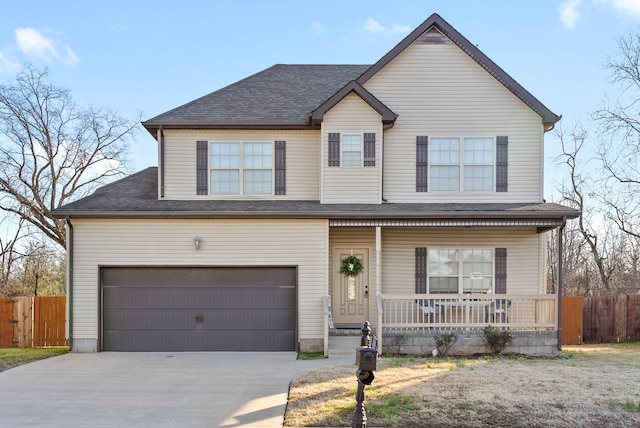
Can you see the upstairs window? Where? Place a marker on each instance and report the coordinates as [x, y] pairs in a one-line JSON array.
[[351, 149], [241, 168], [461, 164]]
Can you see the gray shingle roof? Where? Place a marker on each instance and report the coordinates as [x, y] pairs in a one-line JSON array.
[[282, 94], [136, 196]]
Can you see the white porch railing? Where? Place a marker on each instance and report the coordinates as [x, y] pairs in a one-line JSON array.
[[467, 311]]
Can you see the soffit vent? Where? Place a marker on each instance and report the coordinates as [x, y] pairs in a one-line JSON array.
[[433, 37]]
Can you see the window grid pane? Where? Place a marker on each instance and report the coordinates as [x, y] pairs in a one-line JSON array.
[[257, 182], [225, 155], [257, 155], [478, 151], [351, 147], [224, 182], [443, 285], [443, 262], [444, 154], [445, 151], [445, 178], [478, 178]]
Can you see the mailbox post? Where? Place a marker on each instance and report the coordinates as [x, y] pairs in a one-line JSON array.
[[366, 360]]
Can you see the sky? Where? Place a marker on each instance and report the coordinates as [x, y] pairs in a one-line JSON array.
[[142, 58]]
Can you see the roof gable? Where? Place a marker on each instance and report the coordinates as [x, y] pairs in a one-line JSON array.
[[317, 115], [423, 34]]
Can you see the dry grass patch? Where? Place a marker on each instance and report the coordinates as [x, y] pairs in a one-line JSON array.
[[587, 386]]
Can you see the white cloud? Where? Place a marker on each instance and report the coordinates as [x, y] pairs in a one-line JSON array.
[[627, 6], [569, 14], [374, 27], [317, 27], [44, 46]]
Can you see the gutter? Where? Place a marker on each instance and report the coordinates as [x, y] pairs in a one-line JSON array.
[[322, 214], [70, 280]]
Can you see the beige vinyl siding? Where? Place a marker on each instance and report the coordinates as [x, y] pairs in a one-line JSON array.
[[351, 184], [303, 162], [439, 91], [223, 243], [522, 244]]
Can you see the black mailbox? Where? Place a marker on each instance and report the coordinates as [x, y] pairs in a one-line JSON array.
[[366, 358]]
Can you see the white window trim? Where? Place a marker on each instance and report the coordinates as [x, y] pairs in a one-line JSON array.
[[241, 169], [461, 165], [461, 274], [359, 134]]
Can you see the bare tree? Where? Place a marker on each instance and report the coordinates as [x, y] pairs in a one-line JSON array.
[[9, 257], [53, 151], [572, 144], [41, 271], [619, 126]]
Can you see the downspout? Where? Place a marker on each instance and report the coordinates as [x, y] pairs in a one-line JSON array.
[[161, 130], [70, 281], [560, 280], [384, 129]]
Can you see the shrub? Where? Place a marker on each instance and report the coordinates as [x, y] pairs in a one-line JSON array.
[[496, 340], [444, 342]]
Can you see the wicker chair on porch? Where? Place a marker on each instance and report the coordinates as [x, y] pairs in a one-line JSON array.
[[496, 311], [430, 309]]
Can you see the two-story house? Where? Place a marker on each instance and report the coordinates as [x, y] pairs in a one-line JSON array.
[[306, 198]]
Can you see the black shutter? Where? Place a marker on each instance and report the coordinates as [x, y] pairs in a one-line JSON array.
[[502, 155], [334, 149], [369, 149], [501, 271], [422, 164], [421, 270], [280, 168], [202, 153]]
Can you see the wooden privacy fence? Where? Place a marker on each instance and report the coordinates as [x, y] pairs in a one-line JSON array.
[[32, 321], [600, 319]]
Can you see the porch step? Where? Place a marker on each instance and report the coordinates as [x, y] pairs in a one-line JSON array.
[[345, 332]]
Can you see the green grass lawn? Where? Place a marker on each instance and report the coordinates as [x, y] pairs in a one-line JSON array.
[[13, 357]]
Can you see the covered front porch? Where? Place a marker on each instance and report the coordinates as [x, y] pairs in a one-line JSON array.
[[401, 288]]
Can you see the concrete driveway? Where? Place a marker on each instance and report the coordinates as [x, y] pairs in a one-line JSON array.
[[205, 389]]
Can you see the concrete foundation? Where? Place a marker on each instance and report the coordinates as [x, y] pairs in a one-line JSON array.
[[84, 345], [311, 345], [469, 342]]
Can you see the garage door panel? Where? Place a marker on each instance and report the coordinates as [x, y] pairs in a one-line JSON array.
[[188, 319], [175, 309], [175, 340], [185, 297], [199, 277]]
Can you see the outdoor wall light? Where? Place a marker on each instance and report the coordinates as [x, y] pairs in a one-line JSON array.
[[196, 243]]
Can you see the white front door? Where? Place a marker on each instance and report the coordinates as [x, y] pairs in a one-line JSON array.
[[350, 299]]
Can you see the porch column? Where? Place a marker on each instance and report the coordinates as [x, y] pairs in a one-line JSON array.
[[560, 280], [379, 286]]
